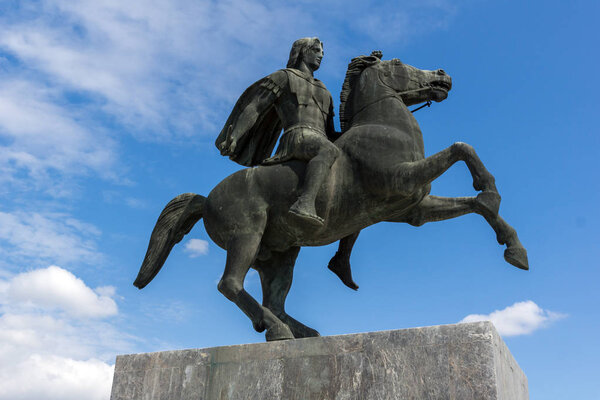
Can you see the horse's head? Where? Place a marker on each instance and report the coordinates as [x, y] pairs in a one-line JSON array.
[[412, 84], [369, 80]]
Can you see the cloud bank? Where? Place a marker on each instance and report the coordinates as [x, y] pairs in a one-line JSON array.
[[522, 318], [54, 288], [56, 341], [76, 76]]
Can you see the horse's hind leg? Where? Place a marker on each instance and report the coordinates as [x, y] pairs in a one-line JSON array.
[[241, 253], [434, 208], [276, 275]]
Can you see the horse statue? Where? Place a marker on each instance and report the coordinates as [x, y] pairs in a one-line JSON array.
[[382, 175]]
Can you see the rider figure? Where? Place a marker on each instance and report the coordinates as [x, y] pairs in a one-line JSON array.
[[294, 100]]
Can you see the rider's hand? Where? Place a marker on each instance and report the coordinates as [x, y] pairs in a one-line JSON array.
[[229, 144]]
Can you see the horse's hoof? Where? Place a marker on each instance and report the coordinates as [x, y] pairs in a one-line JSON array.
[[489, 203], [259, 327], [303, 331], [279, 331], [517, 256], [311, 333], [299, 330]]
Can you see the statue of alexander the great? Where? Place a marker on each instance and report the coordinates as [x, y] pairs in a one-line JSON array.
[[292, 99], [376, 171]]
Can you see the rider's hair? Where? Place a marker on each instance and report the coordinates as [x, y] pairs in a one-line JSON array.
[[298, 48]]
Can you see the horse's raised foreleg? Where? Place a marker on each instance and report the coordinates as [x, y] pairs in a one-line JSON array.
[[412, 175], [434, 208], [276, 275], [241, 254], [515, 253]]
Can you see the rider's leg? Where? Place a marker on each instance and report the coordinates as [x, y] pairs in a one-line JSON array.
[[322, 154], [340, 262]]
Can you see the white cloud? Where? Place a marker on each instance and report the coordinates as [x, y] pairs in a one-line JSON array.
[[55, 341], [196, 247], [76, 73], [134, 56], [108, 291], [159, 70], [54, 288], [56, 378], [521, 318], [50, 237], [43, 138]]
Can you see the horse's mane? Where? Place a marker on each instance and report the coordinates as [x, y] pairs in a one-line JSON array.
[[355, 68]]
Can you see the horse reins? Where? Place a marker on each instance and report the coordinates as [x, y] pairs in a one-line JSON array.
[[428, 104]]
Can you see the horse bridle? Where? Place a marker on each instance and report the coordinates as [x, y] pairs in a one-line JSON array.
[[398, 95]]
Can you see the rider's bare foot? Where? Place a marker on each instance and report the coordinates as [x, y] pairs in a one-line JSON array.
[[305, 215], [342, 269]]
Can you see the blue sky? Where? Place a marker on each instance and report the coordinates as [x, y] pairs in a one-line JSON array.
[[109, 109]]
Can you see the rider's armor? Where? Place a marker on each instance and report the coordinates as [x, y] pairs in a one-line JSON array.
[[304, 107]]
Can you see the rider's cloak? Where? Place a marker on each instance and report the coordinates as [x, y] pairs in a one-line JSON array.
[[257, 143]]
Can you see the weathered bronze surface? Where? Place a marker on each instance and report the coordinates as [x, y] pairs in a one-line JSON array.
[[313, 192]]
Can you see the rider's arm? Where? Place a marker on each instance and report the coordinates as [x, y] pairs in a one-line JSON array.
[[329, 126]]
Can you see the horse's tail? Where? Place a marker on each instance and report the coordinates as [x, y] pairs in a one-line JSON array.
[[174, 222]]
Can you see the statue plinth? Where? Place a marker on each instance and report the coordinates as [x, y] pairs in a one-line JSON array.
[[462, 362]]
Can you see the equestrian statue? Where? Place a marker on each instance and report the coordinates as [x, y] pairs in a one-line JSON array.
[[322, 186]]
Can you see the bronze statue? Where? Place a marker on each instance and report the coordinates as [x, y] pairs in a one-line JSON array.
[[380, 174]]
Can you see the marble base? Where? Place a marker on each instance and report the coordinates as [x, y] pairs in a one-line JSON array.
[[462, 362]]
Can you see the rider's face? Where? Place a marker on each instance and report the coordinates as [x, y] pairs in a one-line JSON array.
[[312, 56]]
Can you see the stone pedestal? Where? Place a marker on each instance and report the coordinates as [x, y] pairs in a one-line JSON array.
[[462, 362]]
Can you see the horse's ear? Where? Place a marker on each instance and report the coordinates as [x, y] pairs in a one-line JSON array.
[[377, 53], [371, 60], [365, 61]]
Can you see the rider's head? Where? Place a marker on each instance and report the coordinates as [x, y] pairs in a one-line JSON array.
[[300, 48]]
